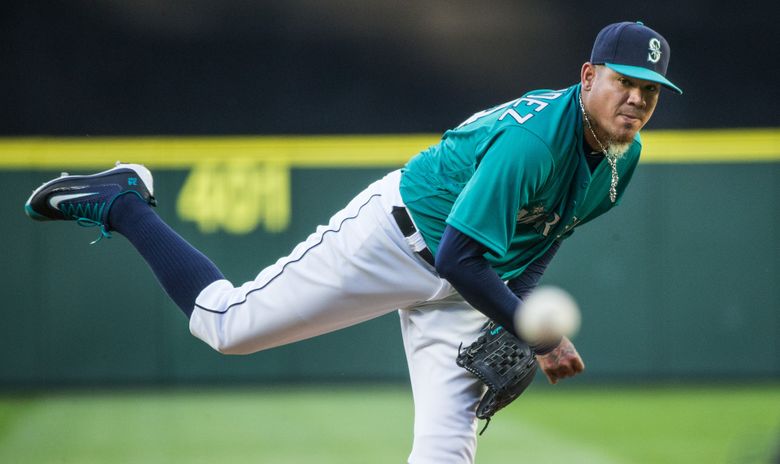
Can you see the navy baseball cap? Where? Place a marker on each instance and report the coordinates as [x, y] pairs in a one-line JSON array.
[[634, 50]]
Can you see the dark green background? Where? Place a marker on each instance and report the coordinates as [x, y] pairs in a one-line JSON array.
[[679, 282]]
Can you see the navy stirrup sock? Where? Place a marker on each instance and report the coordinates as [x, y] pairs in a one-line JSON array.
[[182, 270]]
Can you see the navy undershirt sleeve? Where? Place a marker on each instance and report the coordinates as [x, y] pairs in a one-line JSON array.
[[523, 284], [460, 260]]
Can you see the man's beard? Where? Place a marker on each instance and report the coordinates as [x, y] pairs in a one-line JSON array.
[[615, 148]]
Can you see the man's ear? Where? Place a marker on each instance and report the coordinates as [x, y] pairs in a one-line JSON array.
[[587, 75]]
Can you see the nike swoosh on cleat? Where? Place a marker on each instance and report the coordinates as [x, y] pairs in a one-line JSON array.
[[55, 200]]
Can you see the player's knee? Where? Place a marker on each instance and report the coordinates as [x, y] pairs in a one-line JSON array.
[[222, 329], [230, 337], [220, 340], [229, 350], [239, 343], [229, 347]]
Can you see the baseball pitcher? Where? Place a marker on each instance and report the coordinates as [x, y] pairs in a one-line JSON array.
[[453, 241]]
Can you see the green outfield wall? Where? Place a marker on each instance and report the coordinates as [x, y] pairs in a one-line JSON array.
[[679, 282]]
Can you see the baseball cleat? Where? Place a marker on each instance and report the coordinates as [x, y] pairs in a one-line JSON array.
[[87, 199]]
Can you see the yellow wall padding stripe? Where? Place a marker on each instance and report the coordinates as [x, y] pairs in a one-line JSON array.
[[711, 146], [683, 146]]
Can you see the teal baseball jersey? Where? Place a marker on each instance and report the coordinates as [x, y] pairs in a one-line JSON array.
[[514, 178]]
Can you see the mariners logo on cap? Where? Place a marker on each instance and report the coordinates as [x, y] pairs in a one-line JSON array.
[[655, 50]]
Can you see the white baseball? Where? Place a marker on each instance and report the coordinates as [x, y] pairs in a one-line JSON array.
[[548, 313]]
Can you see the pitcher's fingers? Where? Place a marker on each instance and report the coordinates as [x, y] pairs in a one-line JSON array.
[[578, 365]]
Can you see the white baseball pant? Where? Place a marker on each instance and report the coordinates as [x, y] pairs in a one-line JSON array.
[[358, 267]]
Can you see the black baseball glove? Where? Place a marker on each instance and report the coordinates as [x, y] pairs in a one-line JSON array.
[[502, 362]]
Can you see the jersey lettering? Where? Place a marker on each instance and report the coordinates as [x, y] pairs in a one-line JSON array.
[[540, 105], [483, 113], [530, 217], [511, 112], [548, 95], [535, 100], [547, 225], [539, 219]]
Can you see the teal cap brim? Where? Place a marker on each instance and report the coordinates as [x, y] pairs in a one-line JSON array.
[[639, 72]]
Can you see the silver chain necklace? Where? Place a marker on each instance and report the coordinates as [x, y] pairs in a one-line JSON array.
[[611, 159]]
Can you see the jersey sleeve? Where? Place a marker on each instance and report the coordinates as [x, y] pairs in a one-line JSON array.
[[514, 166]]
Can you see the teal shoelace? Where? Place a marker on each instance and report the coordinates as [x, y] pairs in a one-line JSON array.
[[88, 215]]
